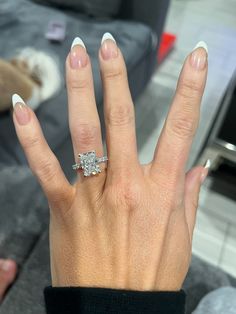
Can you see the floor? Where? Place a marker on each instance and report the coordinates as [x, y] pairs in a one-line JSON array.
[[193, 20]]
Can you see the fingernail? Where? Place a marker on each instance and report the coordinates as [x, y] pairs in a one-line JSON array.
[[207, 166], [21, 111], [109, 49], [78, 54], [78, 41], [199, 56], [5, 265]]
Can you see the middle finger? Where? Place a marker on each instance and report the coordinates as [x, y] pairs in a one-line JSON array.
[[118, 108]]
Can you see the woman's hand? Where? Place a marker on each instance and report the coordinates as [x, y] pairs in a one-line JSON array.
[[131, 226]]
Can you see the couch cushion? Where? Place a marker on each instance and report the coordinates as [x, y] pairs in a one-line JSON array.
[[28, 23], [23, 212], [98, 8], [26, 295]]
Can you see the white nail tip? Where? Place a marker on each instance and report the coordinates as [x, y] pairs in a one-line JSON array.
[[78, 41], [201, 44], [16, 98], [207, 164], [107, 36]]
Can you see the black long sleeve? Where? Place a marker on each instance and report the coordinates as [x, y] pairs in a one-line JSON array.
[[78, 300]]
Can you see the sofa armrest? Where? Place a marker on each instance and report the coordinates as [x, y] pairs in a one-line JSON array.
[[150, 12]]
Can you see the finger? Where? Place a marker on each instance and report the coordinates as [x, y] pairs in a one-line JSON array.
[[83, 115], [193, 182], [174, 144], [40, 157], [118, 107], [8, 270]]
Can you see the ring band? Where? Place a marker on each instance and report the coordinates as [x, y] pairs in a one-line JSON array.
[[89, 163]]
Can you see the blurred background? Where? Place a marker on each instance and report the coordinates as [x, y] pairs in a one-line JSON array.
[[155, 36]]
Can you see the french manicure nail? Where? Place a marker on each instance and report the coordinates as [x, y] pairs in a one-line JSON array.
[[78, 41], [201, 44], [207, 166], [199, 56], [21, 111], [78, 54], [17, 99], [109, 49]]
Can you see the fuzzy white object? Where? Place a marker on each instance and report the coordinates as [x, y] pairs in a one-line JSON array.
[[45, 68]]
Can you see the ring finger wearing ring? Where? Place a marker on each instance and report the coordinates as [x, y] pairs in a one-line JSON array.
[[83, 115], [89, 163]]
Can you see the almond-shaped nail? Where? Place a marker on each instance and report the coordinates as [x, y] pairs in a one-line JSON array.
[[207, 166], [109, 49], [199, 56], [21, 111], [78, 54]]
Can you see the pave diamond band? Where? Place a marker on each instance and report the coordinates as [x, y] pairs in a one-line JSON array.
[[102, 159], [89, 163]]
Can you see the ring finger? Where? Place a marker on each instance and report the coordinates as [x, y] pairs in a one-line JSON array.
[[83, 115]]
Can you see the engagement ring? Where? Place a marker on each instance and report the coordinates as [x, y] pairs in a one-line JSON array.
[[89, 163]]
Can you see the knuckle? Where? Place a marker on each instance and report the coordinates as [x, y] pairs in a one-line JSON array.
[[131, 196], [45, 170], [87, 134], [183, 127], [120, 114], [115, 73], [124, 196], [29, 142], [75, 83], [189, 89]]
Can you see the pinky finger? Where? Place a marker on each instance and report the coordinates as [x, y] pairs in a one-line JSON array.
[[42, 161], [193, 182]]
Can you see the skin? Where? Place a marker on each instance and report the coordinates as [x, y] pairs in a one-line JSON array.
[[131, 226], [8, 271]]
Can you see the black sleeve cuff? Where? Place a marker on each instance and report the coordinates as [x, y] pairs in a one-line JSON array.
[[78, 300]]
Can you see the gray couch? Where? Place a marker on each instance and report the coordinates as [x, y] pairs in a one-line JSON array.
[[135, 32], [23, 207]]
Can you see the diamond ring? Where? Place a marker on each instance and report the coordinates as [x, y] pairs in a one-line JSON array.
[[89, 163]]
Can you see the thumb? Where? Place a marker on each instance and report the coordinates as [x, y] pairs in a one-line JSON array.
[[193, 181]]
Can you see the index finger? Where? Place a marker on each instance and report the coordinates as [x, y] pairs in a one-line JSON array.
[[174, 144], [42, 160]]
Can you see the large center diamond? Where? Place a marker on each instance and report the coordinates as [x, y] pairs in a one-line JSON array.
[[89, 164]]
